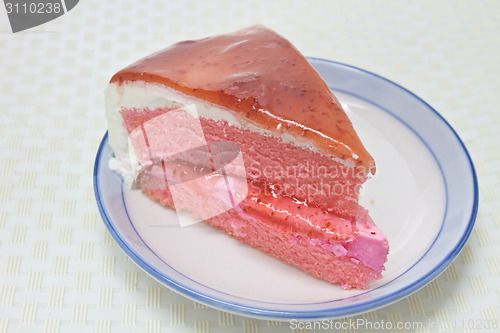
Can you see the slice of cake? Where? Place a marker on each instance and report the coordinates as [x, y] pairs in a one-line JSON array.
[[241, 131]]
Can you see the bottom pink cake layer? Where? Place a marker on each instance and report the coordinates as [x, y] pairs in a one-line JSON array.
[[346, 261]]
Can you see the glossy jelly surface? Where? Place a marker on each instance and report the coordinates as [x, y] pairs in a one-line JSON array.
[[264, 79]]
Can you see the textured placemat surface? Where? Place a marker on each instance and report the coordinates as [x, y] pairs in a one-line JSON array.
[[60, 270]]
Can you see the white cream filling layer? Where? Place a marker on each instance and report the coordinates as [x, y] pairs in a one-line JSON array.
[[143, 95]]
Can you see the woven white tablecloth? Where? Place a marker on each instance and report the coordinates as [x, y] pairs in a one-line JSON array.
[[60, 270]]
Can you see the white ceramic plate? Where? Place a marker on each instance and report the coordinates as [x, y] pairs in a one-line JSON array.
[[424, 197]]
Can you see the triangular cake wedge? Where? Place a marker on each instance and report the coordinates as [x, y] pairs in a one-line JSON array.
[[250, 108]]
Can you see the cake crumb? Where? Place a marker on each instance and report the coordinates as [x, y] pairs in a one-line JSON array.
[[346, 286]]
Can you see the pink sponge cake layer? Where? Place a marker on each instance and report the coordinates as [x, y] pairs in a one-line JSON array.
[[339, 243], [288, 180], [308, 176]]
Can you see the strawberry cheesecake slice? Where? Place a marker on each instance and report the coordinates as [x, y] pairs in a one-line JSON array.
[[240, 131]]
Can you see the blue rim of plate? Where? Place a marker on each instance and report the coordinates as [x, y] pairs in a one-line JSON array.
[[332, 311]]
